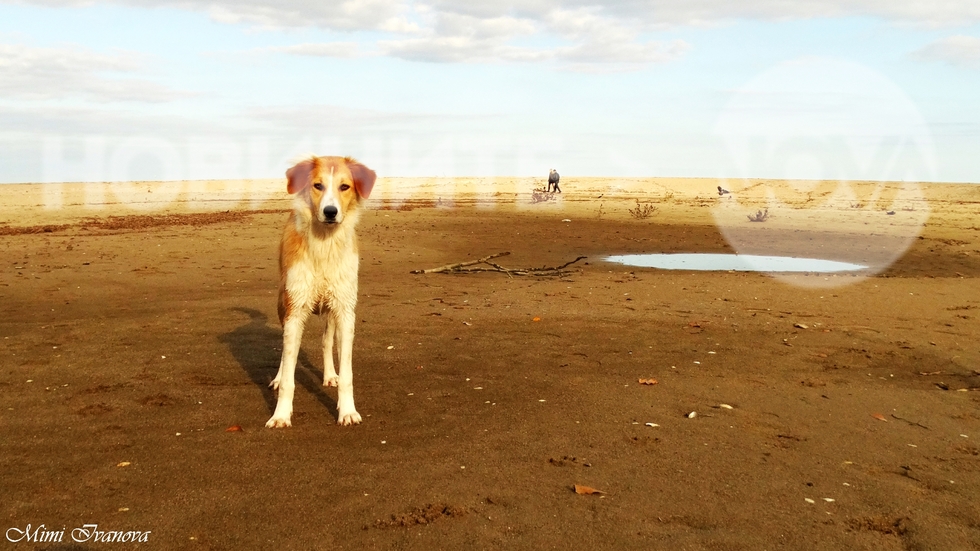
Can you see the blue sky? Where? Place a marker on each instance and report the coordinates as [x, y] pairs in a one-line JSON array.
[[168, 89]]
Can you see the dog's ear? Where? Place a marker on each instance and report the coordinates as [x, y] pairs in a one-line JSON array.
[[364, 177], [301, 175]]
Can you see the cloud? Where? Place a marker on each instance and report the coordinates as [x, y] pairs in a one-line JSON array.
[[26, 122], [454, 49], [620, 55], [571, 35], [320, 49], [59, 73], [460, 37], [330, 118], [604, 43], [663, 13], [400, 15], [454, 37], [584, 35], [344, 15], [576, 40], [959, 50]]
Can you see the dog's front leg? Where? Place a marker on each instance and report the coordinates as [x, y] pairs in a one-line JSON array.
[[346, 414], [329, 334], [285, 381]]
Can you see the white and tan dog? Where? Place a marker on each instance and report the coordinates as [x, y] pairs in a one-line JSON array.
[[318, 274]]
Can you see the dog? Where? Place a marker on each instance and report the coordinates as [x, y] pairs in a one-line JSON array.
[[318, 263]]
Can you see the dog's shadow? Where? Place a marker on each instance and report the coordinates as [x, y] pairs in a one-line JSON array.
[[258, 348]]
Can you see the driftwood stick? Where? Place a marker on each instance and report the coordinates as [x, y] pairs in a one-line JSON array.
[[525, 271], [467, 270], [563, 266], [452, 267], [468, 267]]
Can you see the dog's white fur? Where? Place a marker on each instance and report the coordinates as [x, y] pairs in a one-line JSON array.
[[318, 263]]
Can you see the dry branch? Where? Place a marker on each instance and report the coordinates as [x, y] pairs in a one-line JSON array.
[[458, 265], [469, 267]]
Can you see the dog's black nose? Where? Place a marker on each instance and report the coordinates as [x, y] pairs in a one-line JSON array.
[[330, 212]]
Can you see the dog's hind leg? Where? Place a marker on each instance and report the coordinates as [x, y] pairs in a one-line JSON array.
[[329, 334], [285, 381], [346, 414]]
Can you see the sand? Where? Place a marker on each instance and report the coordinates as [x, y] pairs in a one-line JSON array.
[[832, 411]]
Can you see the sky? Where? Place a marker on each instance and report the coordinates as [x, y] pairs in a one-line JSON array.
[[182, 89]]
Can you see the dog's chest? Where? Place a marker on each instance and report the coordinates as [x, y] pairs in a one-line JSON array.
[[326, 274]]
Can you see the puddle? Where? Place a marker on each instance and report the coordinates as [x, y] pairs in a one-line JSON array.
[[733, 262]]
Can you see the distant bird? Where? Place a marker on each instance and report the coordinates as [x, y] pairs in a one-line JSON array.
[[553, 180], [722, 191]]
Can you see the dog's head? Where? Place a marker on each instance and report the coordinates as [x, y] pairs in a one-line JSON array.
[[331, 186]]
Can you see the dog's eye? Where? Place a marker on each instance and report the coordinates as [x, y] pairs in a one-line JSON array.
[[318, 186], [344, 187]]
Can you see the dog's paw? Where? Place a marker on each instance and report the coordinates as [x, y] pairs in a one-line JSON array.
[[278, 423], [348, 419], [331, 381]]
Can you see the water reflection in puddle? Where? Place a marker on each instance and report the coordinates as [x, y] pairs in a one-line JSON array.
[[733, 262]]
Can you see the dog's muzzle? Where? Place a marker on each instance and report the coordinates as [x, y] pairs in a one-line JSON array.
[[330, 214]]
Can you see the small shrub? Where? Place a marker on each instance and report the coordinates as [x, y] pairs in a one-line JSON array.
[[642, 210]]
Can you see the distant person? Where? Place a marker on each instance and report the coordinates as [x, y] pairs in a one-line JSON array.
[[553, 180]]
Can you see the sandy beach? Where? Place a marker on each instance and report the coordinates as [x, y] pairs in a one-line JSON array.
[[789, 411]]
